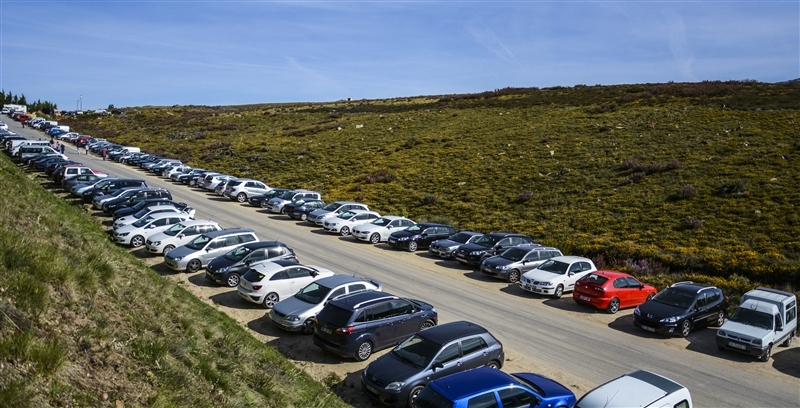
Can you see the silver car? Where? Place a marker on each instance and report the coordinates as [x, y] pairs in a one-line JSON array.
[[515, 261], [179, 234], [446, 248], [317, 217], [196, 254]]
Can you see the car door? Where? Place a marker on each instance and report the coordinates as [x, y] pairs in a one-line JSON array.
[[256, 256], [699, 311], [531, 261], [380, 325], [356, 287], [447, 362], [621, 291], [474, 352], [637, 294], [406, 319], [299, 277]]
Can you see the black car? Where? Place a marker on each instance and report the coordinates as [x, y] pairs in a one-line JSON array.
[[446, 248], [354, 326], [419, 236], [143, 194], [397, 377], [121, 212], [260, 200], [111, 185], [228, 269], [678, 309], [299, 210], [488, 245]]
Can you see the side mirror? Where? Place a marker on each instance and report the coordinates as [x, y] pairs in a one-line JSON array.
[[181, 236], [437, 365]]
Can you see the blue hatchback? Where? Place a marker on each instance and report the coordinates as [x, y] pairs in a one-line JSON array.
[[489, 388]]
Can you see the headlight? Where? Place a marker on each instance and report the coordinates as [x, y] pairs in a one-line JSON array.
[[504, 267], [157, 243], [547, 284], [292, 318], [757, 342], [223, 270], [476, 253], [124, 234], [403, 239], [636, 311], [721, 333], [395, 386], [177, 259], [672, 319]]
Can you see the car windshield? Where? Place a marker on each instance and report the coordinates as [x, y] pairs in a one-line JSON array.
[[198, 243], [675, 297], [381, 221], [416, 228], [141, 204], [554, 266], [175, 229], [416, 351], [286, 195], [486, 240], [461, 237], [530, 384], [143, 221], [141, 213], [347, 215], [236, 254], [314, 293], [331, 207], [514, 254], [752, 318]]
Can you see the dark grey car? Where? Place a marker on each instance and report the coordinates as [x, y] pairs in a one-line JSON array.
[[515, 261]]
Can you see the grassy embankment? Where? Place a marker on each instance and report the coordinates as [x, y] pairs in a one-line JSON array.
[[83, 323]]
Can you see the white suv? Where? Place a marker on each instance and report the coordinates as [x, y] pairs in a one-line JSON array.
[[179, 234], [241, 189]]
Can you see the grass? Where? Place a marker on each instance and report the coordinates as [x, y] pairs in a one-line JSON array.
[[77, 312], [700, 178]]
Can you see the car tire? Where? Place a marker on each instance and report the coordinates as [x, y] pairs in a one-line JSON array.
[[345, 231], [412, 246], [513, 276], [494, 365], [427, 324], [192, 183], [232, 280], [283, 210], [168, 248], [720, 318], [241, 197], [303, 217], [308, 327], [767, 354], [363, 351], [559, 292], [686, 327], [193, 266], [375, 238], [270, 300], [412, 395], [788, 342], [137, 241], [613, 306]]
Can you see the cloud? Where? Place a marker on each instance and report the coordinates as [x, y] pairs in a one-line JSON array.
[[484, 36]]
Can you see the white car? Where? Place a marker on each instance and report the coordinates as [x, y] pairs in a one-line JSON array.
[[136, 234], [241, 189], [266, 283], [379, 230], [317, 217], [178, 235], [346, 221], [557, 275], [130, 219]]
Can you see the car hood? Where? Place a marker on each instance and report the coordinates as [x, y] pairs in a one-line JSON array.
[[544, 276], [659, 310], [181, 251], [319, 212], [220, 262], [446, 243], [295, 306], [403, 233], [388, 369], [498, 261], [370, 227], [744, 329], [473, 247], [127, 228]]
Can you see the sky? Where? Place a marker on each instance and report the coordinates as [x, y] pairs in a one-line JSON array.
[[90, 54]]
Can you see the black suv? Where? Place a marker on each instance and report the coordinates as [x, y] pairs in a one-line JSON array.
[[681, 307], [490, 244], [419, 236], [228, 269], [355, 325]]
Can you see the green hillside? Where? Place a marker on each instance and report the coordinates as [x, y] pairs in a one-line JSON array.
[[653, 179]]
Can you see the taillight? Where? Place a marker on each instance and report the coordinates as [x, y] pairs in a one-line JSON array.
[[599, 289], [257, 287], [345, 330]]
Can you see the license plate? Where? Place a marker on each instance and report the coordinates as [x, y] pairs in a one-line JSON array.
[[737, 345], [325, 329], [528, 287], [372, 390], [584, 298], [537, 290], [391, 241], [648, 328]]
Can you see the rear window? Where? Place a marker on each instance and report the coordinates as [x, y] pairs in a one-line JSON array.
[[595, 279], [253, 275], [334, 315]]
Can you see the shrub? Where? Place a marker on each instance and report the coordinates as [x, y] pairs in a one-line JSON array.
[[524, 197], [429, 199], [689, 222], [634, 178], [687, 192]]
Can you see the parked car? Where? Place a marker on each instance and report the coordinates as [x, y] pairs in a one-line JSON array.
[[682, 307], [379, 230], [136, 234], [150, 210], [223, 186], [638, 388], [446, 248], [515, 261], [139, 195], [276, 203], [419, 236], [266, 283], [78, 189], [317, 217], [125, 211], [261, 200], [357, 325], [489, 388], [611, 291], [343, 223], [122, 193], [397, 378], [488, 245], [197, 253], [299, 210], [227, 269], [179, 234], [109, 185], [557, 275], [73, 181], [297, 313], [240, 189], [212, 180]]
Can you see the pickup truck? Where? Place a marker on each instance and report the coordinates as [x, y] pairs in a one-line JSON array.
[[764, 318]]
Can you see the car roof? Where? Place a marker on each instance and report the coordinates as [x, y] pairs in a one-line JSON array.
[[227, 231], [189, 223], [359, 299], [471, 382], [642, 388], [432, 224], [689, 286], [506, 234], [393, 217], [167, 214], [571, 259], [273, 266], [263, 244], [445, 333], [337, 280], [610, 274]]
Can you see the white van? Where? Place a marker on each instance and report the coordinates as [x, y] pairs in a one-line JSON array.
[[16, 144], [638, 388]]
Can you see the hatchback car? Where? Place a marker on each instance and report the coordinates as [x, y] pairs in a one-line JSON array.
[[419, 236], [261, 200], [266, 283], [379, 230], [343, 223], [488, 388], [276, 203], [154, 209], [488, 245], [355, 326], [557, 275], [445, 248], [299, 210], [682, 307], [397, 378], [228, 268], [198, 252], [317, 217], [515, 261], [297, 313], [136, 234], [611, 291], [179, 234]]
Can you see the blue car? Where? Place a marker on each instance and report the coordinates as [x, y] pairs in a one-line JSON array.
[[486, 387]]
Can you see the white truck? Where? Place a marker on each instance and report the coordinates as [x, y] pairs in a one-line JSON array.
[[8, 108], [765, 318], [638, 388]]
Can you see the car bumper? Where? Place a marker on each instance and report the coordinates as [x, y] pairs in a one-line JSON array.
[[541, 290], [442, 252], [668, 329], [497, 273], [469, 259], [397, 244], [339, 350], [288, 325], [380, 394], [249, 296], [154, 249], [218, 278], [364, 236], [175, 265], [745, 348], [600, 303], [122, 240]]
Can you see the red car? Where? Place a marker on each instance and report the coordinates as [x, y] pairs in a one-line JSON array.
[[611, 290]]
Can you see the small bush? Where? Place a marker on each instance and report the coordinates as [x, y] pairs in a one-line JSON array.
[[634, 178], [524, 197], [687, 192], [429, 199], [689, 222]]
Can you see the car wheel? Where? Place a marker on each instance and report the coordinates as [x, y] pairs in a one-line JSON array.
[[686, 327], [344, 231], [788, 342], [427, 324], [193, 266], [232, 280], [283, 210], [559, 292], [720, 318], [494, 365], [613, 306], [513, 276], [412, 395], [241, 197], [767, 354], [270, 300], [263, 203], [192, 183], [375, 238], [137, 241], [303, 217], [412, 246], [168, 248], [363, 351], [308, 327]]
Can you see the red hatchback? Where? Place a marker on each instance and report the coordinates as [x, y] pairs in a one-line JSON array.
[[611, 290]]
